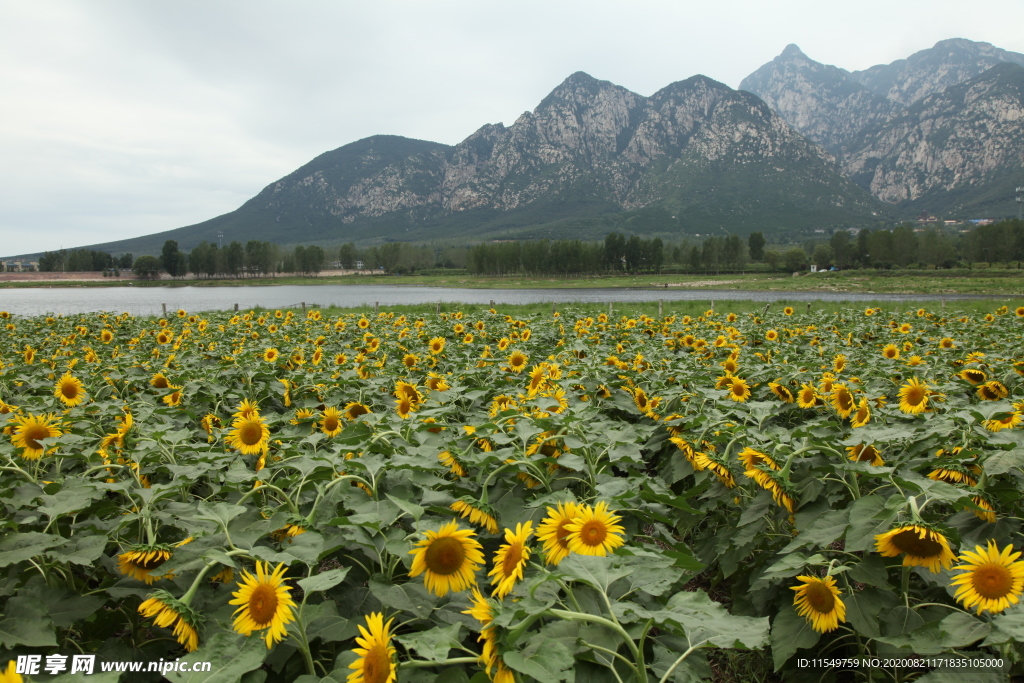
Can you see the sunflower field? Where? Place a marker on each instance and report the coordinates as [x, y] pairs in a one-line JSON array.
[[565, 497]]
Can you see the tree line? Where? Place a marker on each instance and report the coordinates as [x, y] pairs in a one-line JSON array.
[[900, 247]]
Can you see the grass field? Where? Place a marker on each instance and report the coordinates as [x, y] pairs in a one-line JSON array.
[[980, 281]]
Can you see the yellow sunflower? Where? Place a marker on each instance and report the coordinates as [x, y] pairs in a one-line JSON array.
[[10, 674], [475, 512], [865, 453], [862, 415], [771, 335], [140, 561], [807, 397], [355, 409], [166, 611], [271, 355], [817, 601], [914, 396], [265, 602], [992, 391], [510, 560], [842, 400], [973, 375], [436, 345], [452, 463], [919, 545], [553, 532], [159, 381], [448, 558], [891, 351], [739, 390], [330, 422], [594, 531], [1007, 421], [246, 409], [992, 579], [782, 392], [751, 459], [249, 435], [376, 662], [30, 429], [69, 390], [517, 361]]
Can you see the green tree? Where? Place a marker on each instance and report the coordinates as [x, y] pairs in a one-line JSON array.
[[348, 256], [842, 249], [234, 259], [755, 245], [147, 267], [796, 259], [822, 257], [772, 258], [169, 258]]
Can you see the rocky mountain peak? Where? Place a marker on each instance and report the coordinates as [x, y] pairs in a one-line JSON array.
[[934, 69], [819, 100], [792, 51]]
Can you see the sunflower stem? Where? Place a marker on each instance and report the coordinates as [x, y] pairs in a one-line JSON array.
[[905, 586], [329, 486], [789, 461], [19, 470], [679, 661], [424, 664], [611, 664], [581, 616]]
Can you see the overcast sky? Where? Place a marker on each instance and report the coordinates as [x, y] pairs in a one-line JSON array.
[[121, 118]]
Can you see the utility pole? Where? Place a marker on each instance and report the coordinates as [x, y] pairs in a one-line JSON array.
[[220, 239], [1020, 202]]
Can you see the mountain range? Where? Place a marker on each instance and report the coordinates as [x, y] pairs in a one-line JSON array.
[[801, 145]]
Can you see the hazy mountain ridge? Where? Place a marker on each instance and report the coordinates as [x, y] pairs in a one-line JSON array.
[[965, 137], [936, 131], [819, 100], [694, 157], [591, 155]]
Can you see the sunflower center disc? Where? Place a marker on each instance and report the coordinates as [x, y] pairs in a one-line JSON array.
[[445, 556], [376, 664], [593, 533], [513, 556], [69, 390], [263, 604], [330, 423], [562, 533], [820, 598], [912, 544], [992, 581], [251, 433], [33, 434], [915, 396]]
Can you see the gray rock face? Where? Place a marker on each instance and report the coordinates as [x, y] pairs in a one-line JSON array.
[[931, 71], [587, 138], [967, 136], [907, 130], [819, 100]]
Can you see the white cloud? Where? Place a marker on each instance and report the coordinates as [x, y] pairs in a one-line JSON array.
[[123, 118]]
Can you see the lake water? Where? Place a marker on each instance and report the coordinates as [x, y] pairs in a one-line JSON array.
[[149, 300]]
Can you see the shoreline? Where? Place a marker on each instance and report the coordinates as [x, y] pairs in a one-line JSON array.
[[977, 283]]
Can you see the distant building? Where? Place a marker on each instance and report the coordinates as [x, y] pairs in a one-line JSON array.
[[20, 266], [981, 221], [948, 222]]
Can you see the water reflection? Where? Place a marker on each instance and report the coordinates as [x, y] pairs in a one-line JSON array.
[[150, 300]]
